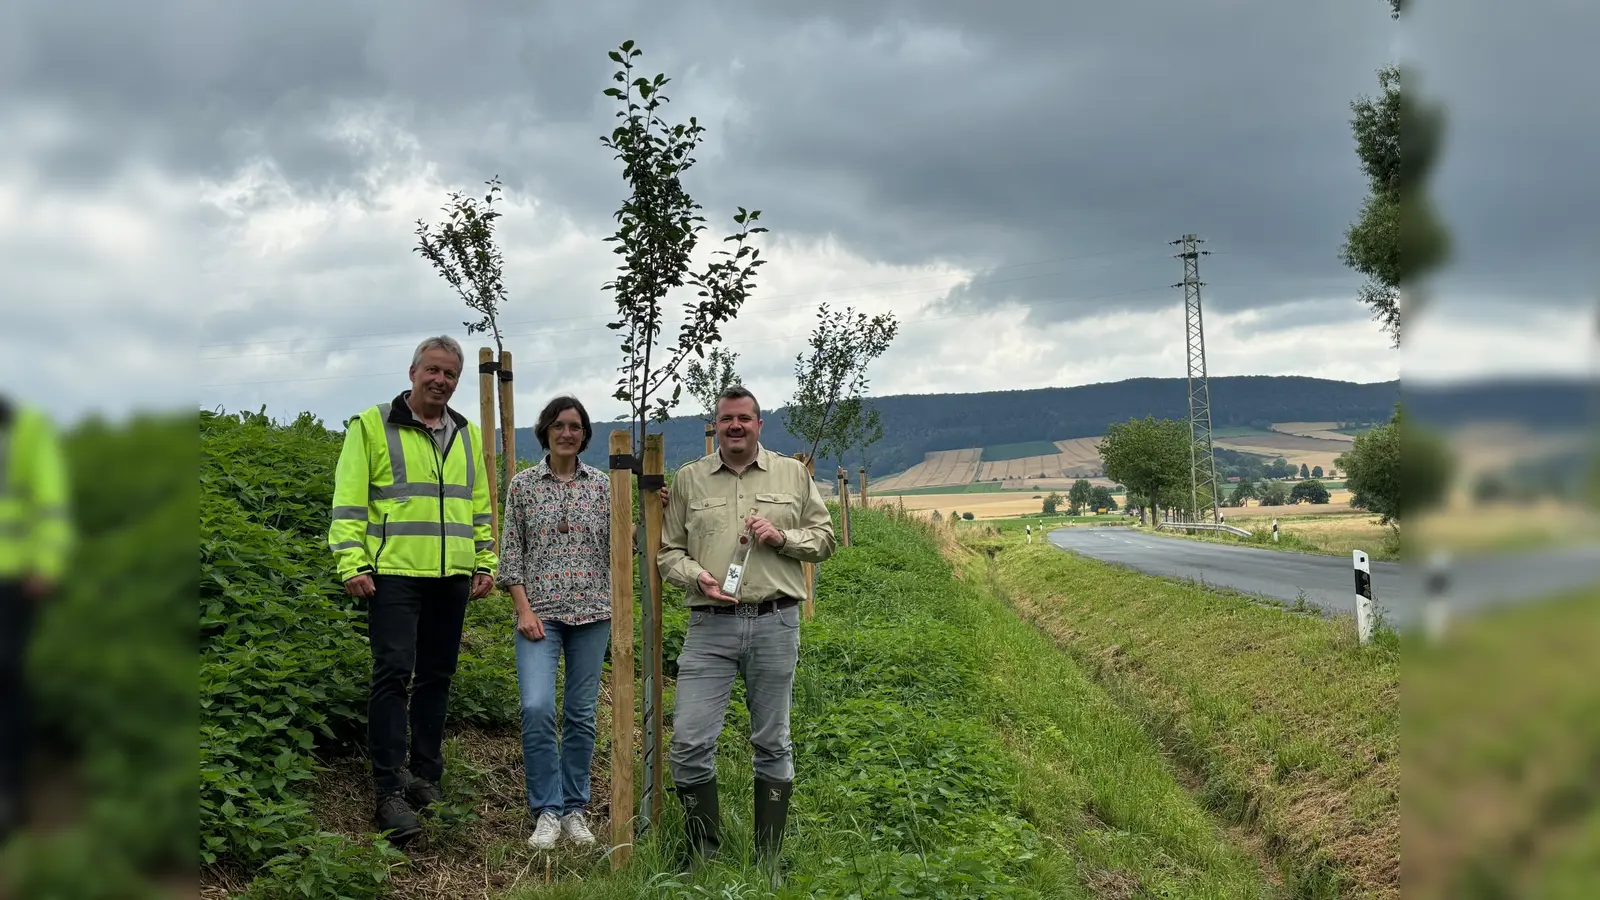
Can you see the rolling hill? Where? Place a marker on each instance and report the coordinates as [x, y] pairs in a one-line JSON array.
[[916, 425]]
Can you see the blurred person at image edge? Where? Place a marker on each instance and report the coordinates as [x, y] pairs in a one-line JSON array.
[[411, 534], [35, 537]]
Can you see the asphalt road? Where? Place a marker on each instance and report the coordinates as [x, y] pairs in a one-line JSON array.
[[1329, 581]]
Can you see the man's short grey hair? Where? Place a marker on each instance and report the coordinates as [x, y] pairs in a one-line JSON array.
[[440, 342], [736, 392]]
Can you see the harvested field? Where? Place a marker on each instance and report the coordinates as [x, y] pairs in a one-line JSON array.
[[1465, 528], [1080, 454], [1319, 430], [1055, 484], [982, 506], [1489, 446], [1078, 458], [1335, 534], [1337, 505], [1026, 467], [940, 467], [1297, 450], [1303, 427], [1282, 444]]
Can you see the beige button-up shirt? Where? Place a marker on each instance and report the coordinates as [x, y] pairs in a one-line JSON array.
[[705, 516]]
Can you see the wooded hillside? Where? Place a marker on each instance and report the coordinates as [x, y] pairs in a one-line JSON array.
[[915, 424]]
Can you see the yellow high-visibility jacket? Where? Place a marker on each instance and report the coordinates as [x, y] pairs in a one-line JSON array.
[[35, 525], [400, 507]]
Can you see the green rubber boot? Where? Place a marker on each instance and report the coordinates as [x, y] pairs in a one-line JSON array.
[[771, 815], [702, 821]]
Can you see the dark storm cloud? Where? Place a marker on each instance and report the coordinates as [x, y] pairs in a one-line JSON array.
[[1087, 128], [1517, 183], [984, 135]]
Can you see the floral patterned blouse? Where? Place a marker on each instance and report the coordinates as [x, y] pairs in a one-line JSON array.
[[566, 572]]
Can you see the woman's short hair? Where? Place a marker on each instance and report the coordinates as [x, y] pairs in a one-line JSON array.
[[556, 407]]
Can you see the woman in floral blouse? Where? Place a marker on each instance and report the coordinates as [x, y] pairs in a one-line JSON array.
[[555, 557]]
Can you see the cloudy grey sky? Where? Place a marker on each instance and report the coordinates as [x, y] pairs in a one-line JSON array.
[[214, 203]]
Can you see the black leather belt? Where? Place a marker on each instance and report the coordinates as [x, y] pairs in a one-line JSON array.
[[751, 610]]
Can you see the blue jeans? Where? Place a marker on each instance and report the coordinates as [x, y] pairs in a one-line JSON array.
[[557, 779]]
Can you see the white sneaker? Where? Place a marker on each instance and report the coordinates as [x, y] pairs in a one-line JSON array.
[[545, 831], [573, 826]]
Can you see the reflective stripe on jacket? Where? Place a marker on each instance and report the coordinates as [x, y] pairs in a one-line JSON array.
[[35, 524], [400, 507]]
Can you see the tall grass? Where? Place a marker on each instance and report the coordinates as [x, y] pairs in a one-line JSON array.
[[946, 749], [1291, 728]]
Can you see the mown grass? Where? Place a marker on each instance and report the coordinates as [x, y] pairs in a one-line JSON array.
[[1502, 725], [1291, 727], [946, 749]]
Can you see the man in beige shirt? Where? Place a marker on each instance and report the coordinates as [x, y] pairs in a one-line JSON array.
[[742, 491]]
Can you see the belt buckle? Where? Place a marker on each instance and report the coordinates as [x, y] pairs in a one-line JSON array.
[[747, 610]]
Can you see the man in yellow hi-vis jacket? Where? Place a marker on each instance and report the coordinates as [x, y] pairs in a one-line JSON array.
[[411, 534], [35, 538]]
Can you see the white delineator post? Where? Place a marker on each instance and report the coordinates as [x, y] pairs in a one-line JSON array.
[[1274, 531], [1363, 572], [1436, 613]]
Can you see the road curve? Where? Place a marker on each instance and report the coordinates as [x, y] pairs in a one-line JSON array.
[[1328, 581]]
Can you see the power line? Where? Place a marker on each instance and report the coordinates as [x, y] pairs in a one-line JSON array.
[[758, 304], [525, 364]]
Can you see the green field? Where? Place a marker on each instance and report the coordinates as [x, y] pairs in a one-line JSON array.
[[976, 487], [1003, 452], [1239, 431]]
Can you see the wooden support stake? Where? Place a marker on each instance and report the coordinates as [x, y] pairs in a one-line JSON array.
[[508, 416], [810, 569], [711, 440], [655, 463], [621, 653], [844, 504], [491, 470], [863, 487]]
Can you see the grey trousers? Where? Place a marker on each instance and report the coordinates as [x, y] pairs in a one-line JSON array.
[[764, 650]]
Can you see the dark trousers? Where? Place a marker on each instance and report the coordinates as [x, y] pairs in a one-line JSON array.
[[414, 625], [16, 626]]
